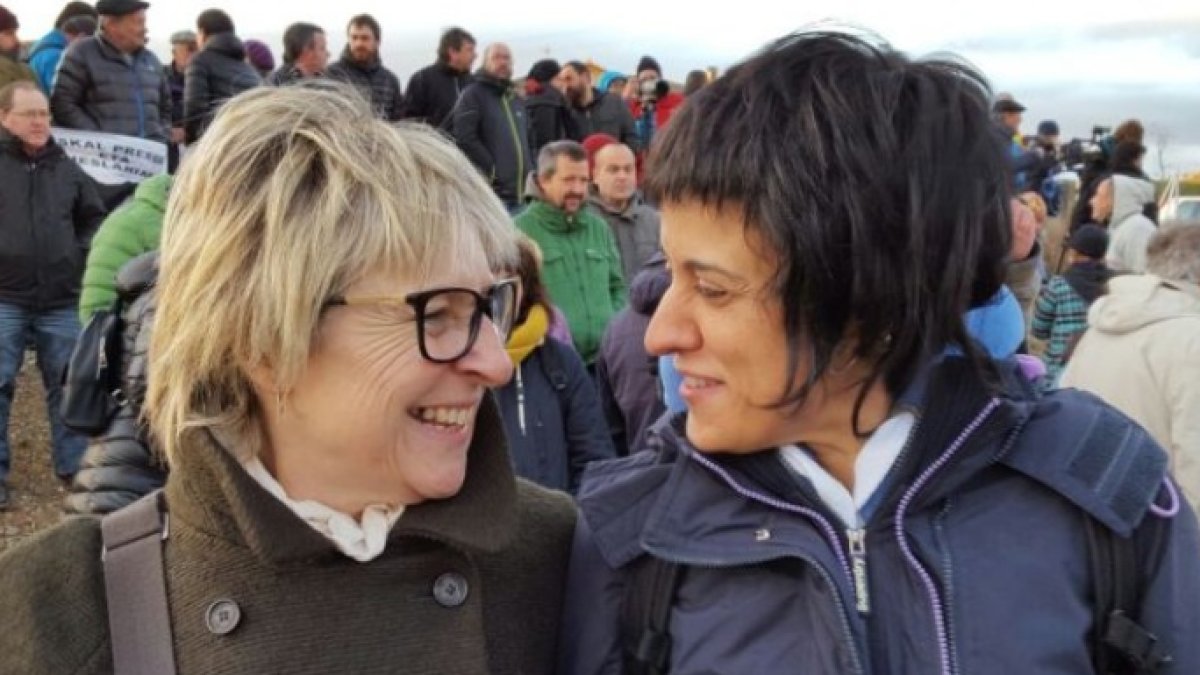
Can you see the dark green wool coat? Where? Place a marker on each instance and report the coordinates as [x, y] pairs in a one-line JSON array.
[[306, 608]]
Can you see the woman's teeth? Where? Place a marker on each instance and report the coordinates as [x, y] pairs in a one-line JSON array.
[[447, 417], [699, 383]]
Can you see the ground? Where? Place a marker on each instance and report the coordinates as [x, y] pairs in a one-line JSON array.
[[37, 495]]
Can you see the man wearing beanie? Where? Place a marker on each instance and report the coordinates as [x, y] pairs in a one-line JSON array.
[[549, 119], [11, 68], [1062, 308], [110, 82], [259, 56], [654, 103]]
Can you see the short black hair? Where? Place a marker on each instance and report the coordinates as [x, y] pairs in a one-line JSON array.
[[297, 38], [72, 10], [453, 39], [214, 22], [876, 183], [579, 67], [80, 25], [368, 21]]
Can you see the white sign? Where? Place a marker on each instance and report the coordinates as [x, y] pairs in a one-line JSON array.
[[112, 159]]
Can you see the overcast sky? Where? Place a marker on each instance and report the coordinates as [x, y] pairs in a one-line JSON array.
[[1069, 60]]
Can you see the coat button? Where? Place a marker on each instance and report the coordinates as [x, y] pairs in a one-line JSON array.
[[222, 617], [450, 589], [762, 534]]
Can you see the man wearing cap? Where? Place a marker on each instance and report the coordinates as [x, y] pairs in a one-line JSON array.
[[1007, 113], [110, 82], [183, 48], [11, 68], [596, 111]]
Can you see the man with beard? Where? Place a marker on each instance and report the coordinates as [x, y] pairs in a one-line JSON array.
[[361, 66], [596, 111], [491, 127], [433, 90], [11, 68], [582, 268]]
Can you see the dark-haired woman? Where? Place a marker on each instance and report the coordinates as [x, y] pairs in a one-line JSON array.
[[855, 487]]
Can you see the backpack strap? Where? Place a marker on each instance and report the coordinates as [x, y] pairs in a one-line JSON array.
[[139, 621], [646, 615]]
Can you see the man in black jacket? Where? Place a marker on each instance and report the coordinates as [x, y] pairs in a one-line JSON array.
[[49, 210], [489, 123], [111, 82], [595, 111], [305, 55], [361, 66], [434, 90], [218, 73]]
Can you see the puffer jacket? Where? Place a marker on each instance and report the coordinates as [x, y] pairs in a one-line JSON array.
[[101, 89], [218, 73], [378, 85], [45, 55], [120, 465], [133, 229], [49, 210], [549, 118], [973, 559]]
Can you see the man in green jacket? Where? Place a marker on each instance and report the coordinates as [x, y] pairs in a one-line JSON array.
[[582, 268]]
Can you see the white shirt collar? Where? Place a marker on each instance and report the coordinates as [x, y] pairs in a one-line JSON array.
[[872, 465], [362, 540]]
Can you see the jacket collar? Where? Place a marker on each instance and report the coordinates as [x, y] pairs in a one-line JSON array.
[[209, 490]]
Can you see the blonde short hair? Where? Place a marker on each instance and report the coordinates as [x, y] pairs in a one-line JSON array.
[[294, 194]]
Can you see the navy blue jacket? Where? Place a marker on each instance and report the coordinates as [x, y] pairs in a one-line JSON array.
[[552, 418], [976, 559]]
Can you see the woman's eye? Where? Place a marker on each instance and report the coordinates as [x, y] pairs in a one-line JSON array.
[[709, 292]]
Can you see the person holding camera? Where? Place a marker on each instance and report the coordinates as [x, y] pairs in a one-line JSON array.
[[654, 103]]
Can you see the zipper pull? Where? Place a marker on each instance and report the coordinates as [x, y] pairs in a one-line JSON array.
[[858, 566]]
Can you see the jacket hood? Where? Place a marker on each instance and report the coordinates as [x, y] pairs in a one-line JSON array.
[[55, 39], [1130, 196], [649, 285], [227, 44], [1134, 302]]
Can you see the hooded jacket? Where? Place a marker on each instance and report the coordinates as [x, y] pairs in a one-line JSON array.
[[1129, 228], [552, 419], [490, 125], [100, 88], [626, 374], [45, 55], [1142, 355], [581, 269], [636, 229], [973, 559], [49, 210], [133, 229], [218, 73], [379, 85], [433, 92]]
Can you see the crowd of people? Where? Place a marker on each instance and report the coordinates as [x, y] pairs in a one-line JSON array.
[[588, 375]]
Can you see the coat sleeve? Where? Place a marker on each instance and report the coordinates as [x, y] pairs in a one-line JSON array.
[[589, 641], [629, 135], [196, 96], [1043, 314], [608, 399], [416, 103], [164, 106], [587, 433], [1171, 597], [89, 211], [616, 278], [466, 120], [398, 103], [70, 92], [1182, 385]]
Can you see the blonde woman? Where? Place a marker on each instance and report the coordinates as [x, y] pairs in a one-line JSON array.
[[340, 497]]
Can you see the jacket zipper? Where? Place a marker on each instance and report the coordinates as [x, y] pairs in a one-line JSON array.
[[512, 125], [857, 539], [520, 399], [931, 589]]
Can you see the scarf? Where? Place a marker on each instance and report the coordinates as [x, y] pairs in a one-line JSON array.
[[529, 335]]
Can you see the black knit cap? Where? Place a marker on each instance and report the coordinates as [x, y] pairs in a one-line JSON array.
[[1089, 240], [649, 63], [545, 70], [8, 21]]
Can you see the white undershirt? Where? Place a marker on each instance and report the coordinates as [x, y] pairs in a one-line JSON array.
[[360, 540], [871, 466]]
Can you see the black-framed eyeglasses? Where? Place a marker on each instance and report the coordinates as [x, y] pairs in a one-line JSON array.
[[448, 319]]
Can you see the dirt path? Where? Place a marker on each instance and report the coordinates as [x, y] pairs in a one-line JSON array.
[[36, 494]]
